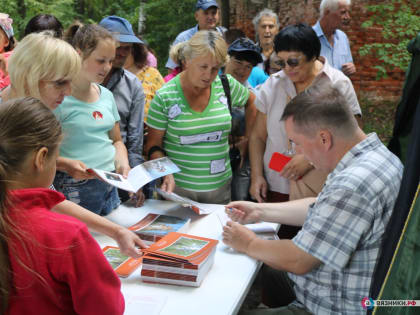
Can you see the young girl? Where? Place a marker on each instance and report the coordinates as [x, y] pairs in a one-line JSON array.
[[50, 264], [43, 67], [90, 122]]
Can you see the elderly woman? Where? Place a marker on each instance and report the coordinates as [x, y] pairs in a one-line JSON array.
[[266, 26], [297, 48], [43, 67], [189, 121]]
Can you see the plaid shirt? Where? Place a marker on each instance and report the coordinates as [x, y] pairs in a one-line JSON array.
[[344, 229]]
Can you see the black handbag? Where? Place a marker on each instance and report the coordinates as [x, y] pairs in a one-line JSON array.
[[237, 125]]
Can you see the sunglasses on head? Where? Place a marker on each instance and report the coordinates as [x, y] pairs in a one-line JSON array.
[[292, 62]]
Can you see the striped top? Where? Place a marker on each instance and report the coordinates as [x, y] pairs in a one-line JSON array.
[[197, 142]]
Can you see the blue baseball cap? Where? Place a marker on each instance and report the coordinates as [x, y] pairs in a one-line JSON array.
[[122, 28], [244, 44], [205, 4]]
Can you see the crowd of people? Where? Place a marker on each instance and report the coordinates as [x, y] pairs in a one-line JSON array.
[[91, 96]]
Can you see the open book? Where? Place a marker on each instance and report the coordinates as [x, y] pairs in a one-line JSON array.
[[139, 175]]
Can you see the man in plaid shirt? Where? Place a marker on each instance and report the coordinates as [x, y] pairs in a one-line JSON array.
[[330, 262]]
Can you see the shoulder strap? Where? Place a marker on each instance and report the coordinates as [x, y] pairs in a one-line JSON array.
[[226, 88]]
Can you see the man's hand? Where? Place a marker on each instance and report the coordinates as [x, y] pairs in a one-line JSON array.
[[128, 242], [296, 168], [168, 183], [237, 236], [348, 68], [258, 188], [243, 212]]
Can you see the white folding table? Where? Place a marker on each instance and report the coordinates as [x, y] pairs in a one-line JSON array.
[[224, 287]]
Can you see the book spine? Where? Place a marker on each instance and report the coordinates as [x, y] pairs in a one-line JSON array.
[[174, 264], [169, 281], [168, 275], [170, 269]]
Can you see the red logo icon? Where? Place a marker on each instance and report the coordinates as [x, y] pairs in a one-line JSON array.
[[97, 115]]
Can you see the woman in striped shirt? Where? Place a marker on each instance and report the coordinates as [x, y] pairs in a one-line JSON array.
[[190, 122]]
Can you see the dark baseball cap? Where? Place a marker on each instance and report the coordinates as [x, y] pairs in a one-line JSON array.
[[205, 4], [244, 44], [121, 27]]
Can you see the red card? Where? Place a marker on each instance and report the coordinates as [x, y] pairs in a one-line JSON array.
[[278, 161]]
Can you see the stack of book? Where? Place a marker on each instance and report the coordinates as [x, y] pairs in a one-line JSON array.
[[178, 258], [155, 226]]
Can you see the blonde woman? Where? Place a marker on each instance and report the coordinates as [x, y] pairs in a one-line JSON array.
[[43, 67], [189, 121], [176, 53]]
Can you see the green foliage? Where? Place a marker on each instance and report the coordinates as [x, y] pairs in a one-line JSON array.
[[165, 19], [378, 116], [400, 22], [67, 11]]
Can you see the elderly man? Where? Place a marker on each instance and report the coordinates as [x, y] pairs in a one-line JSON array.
[[331, 260], [207, 16], [335, 45], [128, 94], [266, 26]]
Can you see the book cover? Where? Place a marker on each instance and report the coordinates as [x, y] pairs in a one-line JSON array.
[[155, 226], [139, 175], [122, 264], [182, 247]]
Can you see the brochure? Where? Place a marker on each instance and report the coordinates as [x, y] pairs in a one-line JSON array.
[[139, 175]]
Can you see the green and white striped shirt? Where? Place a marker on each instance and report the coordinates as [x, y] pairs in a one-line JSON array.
[[197, 142]]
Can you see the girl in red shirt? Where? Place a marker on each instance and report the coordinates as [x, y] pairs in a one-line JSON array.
[[50, 264]]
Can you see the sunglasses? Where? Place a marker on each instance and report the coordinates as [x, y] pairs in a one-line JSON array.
[[292, 62]]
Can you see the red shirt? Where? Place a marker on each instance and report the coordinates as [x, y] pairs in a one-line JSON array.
[[68, 272]]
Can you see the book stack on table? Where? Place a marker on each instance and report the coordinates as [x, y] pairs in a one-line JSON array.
[[178, 258], [155, 226]]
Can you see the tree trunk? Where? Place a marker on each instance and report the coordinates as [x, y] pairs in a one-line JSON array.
[[225, 10], [142, 18], [21, 8]]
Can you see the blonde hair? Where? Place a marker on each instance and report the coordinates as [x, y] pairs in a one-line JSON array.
[[176, 53], [204, 43], [40, 56]]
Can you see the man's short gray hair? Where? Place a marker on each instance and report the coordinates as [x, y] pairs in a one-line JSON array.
[[265, 12], [321, 106], [331, 5]]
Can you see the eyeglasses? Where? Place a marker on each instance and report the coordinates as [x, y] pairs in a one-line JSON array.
[[292, 62]]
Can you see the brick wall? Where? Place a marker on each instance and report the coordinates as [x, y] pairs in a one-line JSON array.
[[293, 11]]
